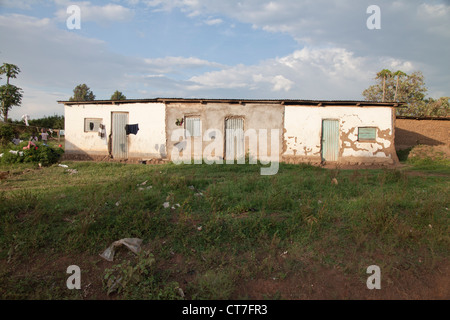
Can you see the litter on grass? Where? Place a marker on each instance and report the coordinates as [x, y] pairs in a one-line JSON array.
[[134, 244]]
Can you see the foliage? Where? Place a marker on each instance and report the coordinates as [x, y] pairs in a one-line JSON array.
[[38, 153], [433, 108], [117, 95], [6, 133], [409, 89], [53, 122], [138, 280], [10, 95], [82, 93]]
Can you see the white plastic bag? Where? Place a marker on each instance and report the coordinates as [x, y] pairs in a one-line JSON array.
[[134, 244]]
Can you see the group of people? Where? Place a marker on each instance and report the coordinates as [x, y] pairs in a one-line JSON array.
[[43, 137]]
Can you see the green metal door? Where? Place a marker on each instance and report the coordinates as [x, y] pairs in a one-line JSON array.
[[119, 135], [330, 140]]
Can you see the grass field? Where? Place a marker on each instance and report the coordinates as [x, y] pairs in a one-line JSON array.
[[227, 233]]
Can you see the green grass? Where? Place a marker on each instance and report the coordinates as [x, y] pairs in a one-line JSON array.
[[232, 227]]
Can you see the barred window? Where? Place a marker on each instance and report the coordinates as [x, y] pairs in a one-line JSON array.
[[193, 127]]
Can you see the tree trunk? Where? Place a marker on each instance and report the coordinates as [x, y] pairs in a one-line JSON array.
[[396, 88]]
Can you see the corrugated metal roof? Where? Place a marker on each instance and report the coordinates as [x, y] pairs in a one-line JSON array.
[[243, 101]]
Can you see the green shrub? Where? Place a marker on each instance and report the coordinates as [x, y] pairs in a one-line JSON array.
[[38, 153], [6, 133]]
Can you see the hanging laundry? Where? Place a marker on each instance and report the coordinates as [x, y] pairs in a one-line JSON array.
[[102, 131], [25, 118], [132, 128]]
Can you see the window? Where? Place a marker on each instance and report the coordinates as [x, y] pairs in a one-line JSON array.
[[92, 124], [367, 134], [193, 126]]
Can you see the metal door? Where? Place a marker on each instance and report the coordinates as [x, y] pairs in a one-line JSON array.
[[330, 140], [234, 139], [119, 135]]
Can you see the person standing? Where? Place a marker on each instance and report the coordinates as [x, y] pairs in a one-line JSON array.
[[44, 136]]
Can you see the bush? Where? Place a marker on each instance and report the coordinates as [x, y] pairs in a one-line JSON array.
[[6, 133], [40, 153]]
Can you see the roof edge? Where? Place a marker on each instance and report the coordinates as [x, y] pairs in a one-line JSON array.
[[291, 102]]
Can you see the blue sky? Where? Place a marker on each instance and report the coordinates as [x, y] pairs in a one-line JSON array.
[[264, 49]]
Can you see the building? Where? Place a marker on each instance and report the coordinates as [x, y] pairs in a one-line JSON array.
[[292, 131]]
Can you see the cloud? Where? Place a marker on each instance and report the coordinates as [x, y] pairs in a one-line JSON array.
[[411, 30], [213, 22], [176, 64], [310, 73], [61, 59], [336, 56], [18, 4]]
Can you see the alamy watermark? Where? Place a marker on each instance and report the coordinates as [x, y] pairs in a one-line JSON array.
[[74, 20], [233, 146], [74, 281], [374, 281], [374, 20]]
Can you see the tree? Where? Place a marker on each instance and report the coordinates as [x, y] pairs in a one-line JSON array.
[[384, 74], [409, 89], [117, 95], [82, 93], [433, 108], [10, 95], [398, 74]]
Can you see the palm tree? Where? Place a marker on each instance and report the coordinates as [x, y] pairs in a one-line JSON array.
[[384, 74], [10, 95], [398, 74], [10, 70]]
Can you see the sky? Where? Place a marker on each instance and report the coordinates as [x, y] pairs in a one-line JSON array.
[[240, 49]]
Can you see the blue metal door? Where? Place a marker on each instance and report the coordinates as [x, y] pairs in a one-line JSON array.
[[330, 140]]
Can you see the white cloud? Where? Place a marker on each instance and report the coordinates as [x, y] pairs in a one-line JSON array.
[[280, 83], [213, 22], [175, 64], [329, 73], [19, 4], [338, 59], [54, 61], [411, 30]]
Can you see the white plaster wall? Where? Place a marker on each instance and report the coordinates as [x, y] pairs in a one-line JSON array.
[[150, 140], [304, 128]]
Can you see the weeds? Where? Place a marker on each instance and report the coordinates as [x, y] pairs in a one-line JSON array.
[[231, 225]]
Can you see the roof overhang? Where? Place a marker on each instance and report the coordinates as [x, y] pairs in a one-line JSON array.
[[288, 102]]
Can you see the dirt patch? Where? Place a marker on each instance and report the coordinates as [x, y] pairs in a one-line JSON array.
[[333, 284], [323, 283]]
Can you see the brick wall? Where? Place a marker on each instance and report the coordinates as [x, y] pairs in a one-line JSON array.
[[411, 132]]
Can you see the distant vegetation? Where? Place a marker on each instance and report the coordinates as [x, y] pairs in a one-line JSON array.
[[117, 95], [82, 93], [410, 89], [13, 128]]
